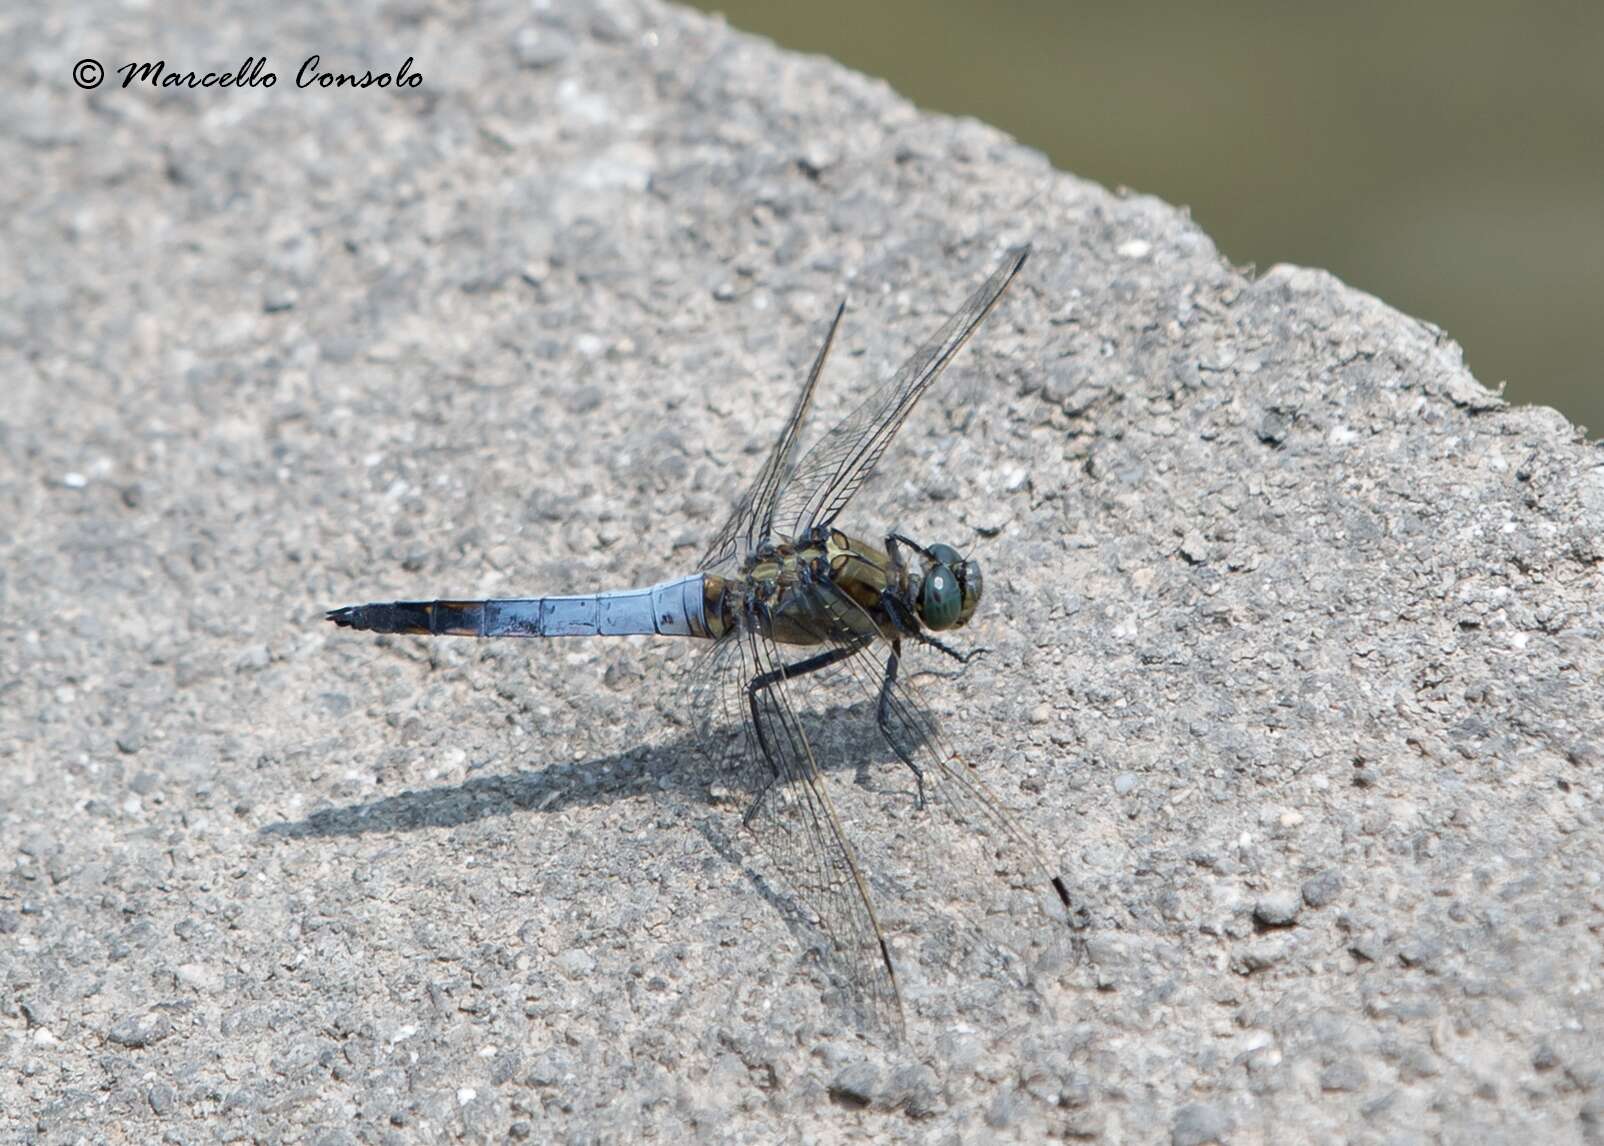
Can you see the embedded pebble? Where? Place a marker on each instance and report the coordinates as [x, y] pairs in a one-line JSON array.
[[576, 963], [1259, 956], [855, 1084], [1200, 1124], [1320, 890], [1421, 951], [141, 1030], [200, 977], [1278, 908], [254, 658]]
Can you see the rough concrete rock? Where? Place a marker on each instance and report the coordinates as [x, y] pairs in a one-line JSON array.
[[1280, 598]]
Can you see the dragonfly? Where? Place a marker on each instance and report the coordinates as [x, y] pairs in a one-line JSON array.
[[786, 597]]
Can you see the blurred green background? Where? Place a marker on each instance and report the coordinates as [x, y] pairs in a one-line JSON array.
[[1446, 157]]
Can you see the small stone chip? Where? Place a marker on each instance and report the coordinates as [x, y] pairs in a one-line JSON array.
[[141, 1030], [1278, 908], [576, 963], [1273, 428], [855, 1084], [1420, 951], [1259, 956], [1320, 890], [1200, 1123]]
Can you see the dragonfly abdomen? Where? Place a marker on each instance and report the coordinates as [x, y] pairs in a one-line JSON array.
[[672, 608]]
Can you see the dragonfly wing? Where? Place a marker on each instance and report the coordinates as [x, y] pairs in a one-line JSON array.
[[793, 819], [914, 735], [753, 516], [833, 470], [714, 701]]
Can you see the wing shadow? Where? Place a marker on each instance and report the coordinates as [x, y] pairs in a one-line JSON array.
[[680, 762]]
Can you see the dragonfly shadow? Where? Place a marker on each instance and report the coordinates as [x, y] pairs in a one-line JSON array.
[[678, 768]]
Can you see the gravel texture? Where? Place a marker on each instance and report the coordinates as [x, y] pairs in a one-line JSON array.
[[1295, 627]]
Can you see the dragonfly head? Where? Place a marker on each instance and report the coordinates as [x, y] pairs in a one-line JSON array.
[[949, 589]]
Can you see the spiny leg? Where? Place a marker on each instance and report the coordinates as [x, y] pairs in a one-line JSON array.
[[909, 626], [961, 658], [882, 717], [895, 539], [768, 680]]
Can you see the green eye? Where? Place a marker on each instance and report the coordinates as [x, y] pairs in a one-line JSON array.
[[969, 578], [940, 599], [945, 555]]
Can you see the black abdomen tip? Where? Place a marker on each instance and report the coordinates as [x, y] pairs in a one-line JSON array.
[[396, 617]]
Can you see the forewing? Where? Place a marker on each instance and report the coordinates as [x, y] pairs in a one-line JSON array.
[[796, 824], [753, 516], [833, 470], [916, 738]]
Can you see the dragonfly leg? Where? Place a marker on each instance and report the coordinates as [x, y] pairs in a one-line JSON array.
[[882, 717], [961, 658], [768, 680], [908, 624], [900, 612], [895, 539]]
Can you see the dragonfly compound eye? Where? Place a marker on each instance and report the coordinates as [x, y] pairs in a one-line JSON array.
[[969, 578], [944, 555], [940, 598]]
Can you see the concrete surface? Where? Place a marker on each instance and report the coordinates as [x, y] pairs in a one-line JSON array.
[[1296, 627]]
